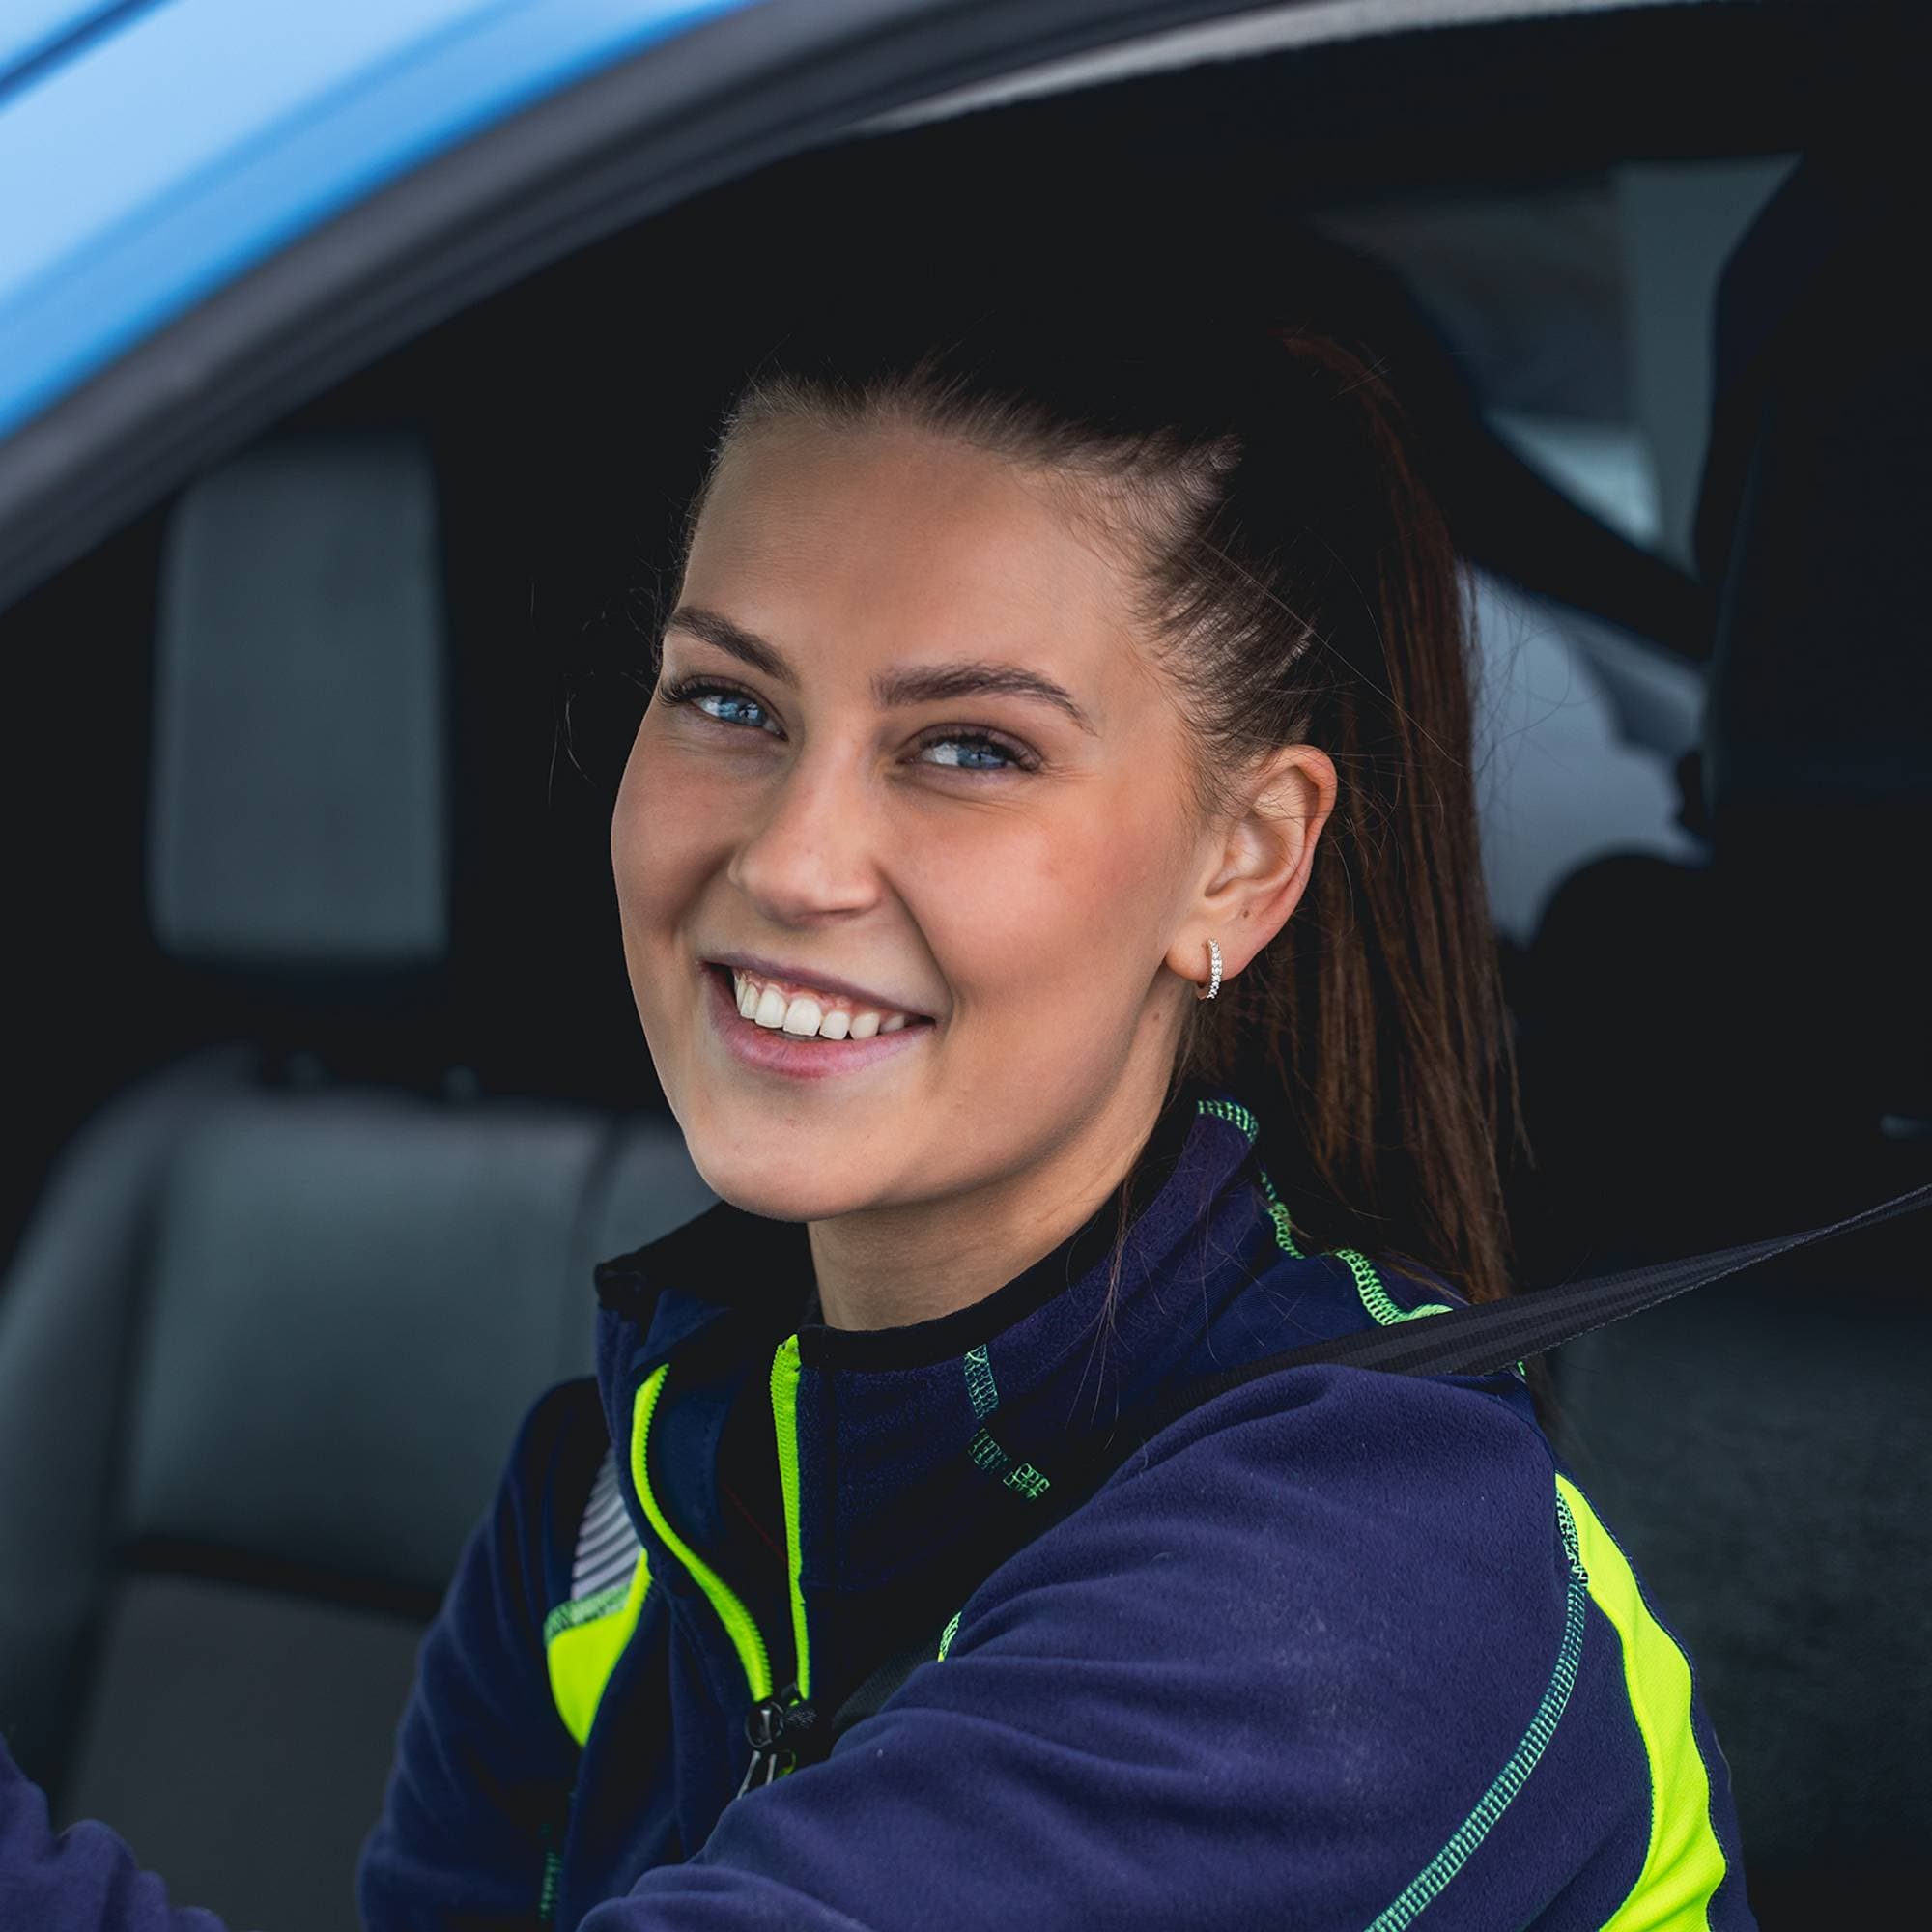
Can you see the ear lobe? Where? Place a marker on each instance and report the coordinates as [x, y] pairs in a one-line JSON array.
[[1264, 862]]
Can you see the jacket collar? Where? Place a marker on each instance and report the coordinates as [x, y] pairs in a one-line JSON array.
[[913, 1440]]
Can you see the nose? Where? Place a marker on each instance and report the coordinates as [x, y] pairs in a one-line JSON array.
[[809, 857]]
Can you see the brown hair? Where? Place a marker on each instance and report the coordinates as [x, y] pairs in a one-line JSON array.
[[1300, 587]]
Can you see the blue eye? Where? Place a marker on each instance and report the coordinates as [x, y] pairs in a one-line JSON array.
[[732, 707], [722, 702], [968, 751]]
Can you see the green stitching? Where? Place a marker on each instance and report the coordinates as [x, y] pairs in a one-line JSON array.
[[1028, 1480], [1233, 1112], [553, 1870], [584, 1611], [981, 1389], [946, 1636], [987, 1456], [1284, 1232], [1376, 1298], [1435, 1877]]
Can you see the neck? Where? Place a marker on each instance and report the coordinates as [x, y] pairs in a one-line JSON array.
[[885, 1267]]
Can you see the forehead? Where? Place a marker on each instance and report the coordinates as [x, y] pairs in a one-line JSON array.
[[895, 541]]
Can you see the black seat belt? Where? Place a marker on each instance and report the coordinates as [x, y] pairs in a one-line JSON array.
[[1495, 1335], [1474, 1341]]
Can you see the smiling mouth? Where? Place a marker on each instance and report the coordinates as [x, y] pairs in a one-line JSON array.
[[808, 1012]]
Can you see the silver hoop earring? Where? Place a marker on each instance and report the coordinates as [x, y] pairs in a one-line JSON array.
[[1213, 972]]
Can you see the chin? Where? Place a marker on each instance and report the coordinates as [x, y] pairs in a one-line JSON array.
[[763, 1181]]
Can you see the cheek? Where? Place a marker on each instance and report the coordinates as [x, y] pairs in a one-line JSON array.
[[664, 832], [1051, 925]]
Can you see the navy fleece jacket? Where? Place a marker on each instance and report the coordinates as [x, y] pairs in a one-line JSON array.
[[1337, 1649]]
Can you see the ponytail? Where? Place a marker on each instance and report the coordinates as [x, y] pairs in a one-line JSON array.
[[1378, 1010]]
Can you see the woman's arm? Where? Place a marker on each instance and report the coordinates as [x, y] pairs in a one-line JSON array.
[[81, 1880]]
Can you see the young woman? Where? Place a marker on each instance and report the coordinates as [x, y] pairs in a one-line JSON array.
[[1049, 884]]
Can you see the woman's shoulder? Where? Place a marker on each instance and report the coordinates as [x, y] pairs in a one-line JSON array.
[[548, 1481], [1396, 1455], [1302, 1501], [563, 1434], [1362, 1602]]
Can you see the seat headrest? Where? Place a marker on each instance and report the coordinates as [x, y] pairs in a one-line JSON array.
[[1818, 724], [300, 820], [1817, 493]]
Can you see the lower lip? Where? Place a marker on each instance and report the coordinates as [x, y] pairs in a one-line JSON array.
[[773, 1050]]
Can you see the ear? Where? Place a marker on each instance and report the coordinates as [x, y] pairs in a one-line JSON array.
[[1258, 864]]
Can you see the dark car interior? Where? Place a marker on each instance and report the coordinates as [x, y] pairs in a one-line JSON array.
[[328, 1092]]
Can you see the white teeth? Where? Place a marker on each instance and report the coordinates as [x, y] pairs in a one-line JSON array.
[[803, 1015]]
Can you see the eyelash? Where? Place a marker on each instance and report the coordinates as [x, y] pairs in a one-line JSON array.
[[689, 690]]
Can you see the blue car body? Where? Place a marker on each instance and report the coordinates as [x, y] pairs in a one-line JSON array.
[[121, 210]]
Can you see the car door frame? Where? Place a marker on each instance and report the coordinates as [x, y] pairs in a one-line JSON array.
[[718, 101]]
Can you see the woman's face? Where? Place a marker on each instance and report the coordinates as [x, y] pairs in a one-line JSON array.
[[904, 836]]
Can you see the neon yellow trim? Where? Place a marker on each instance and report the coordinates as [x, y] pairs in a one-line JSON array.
[[583, 1643], [785, 1427], [583, 1610], [1684, 1864], [731, 1613]]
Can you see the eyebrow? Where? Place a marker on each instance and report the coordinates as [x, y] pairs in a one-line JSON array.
[[919, 684]]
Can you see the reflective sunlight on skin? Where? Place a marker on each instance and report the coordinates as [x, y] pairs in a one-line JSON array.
[[804, 830]]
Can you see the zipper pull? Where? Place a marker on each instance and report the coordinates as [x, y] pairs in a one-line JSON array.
[[775, 1727]]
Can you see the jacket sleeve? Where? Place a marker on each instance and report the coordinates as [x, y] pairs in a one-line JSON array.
[[1291, 1667], [484, 1765], [81, 1880]]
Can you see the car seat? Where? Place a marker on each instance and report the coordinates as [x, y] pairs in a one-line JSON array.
[[267, 1341]]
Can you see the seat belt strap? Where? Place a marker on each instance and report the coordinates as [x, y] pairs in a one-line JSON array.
[[1493, 1335]]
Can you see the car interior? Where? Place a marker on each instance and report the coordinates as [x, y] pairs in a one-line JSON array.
[[328, 1088]]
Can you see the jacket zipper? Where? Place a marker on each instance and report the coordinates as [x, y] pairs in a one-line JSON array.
[[776, 1726], [776, 1720], [784, 1432], [753, 1656]]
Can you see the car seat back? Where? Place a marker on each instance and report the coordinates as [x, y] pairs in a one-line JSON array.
[[268, 1341]]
